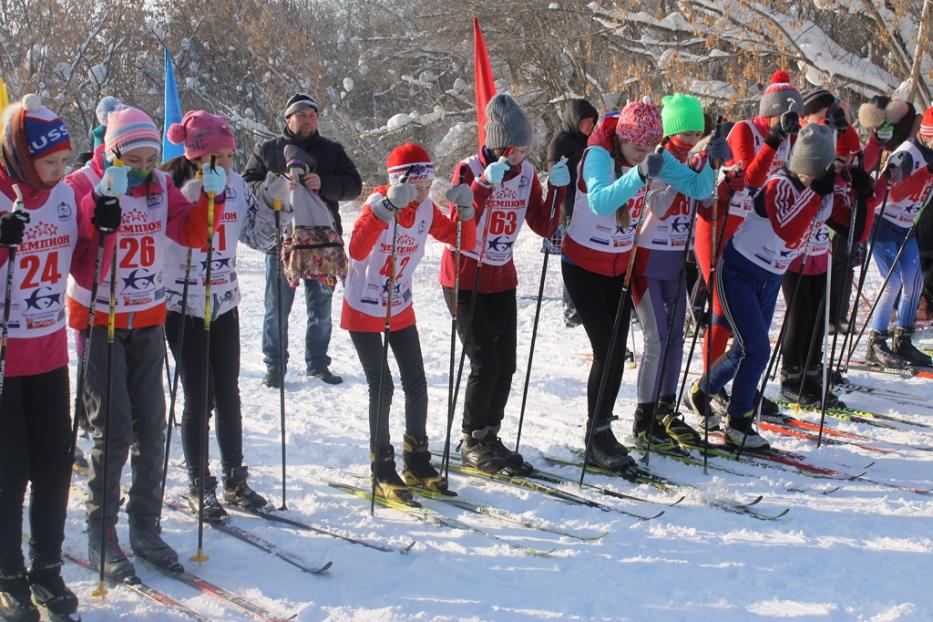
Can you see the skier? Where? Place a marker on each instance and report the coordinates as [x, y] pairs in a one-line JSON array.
[[579, 121], [153, 210], [206, 136], [910, 172], [506, 194], [804, 284], [387, 244], [760, 147], [51, 237], [659, 284]]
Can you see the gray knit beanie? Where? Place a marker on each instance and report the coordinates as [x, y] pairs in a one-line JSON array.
[[814, 150], [778, 96], [506, 124]]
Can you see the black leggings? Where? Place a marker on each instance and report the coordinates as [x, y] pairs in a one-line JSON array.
[[34, 443], [490, 345], [804, 319], [224, 374], [407, 350], [597, 300]]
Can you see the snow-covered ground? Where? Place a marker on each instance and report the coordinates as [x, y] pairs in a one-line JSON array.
[[863, 552]]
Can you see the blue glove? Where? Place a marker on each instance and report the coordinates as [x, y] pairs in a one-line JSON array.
[[115, 182], [496, 171], [214, 179], [560, 174]]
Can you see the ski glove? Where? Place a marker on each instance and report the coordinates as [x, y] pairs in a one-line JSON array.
[[560, 174], [12, 227], [862, 184], [496, 171], [900, 166], [651, 166], [397, 197], [461, 195], [107, 214], [275, 188], [214, 179], [115, 182], [836, 117], [825, 182], [735, 180], [790, 123], [718, 151]]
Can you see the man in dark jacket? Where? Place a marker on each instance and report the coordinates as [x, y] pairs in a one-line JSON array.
[[579, 119], [334, 178]]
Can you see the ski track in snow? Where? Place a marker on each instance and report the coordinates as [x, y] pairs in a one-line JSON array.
[[862, 553]]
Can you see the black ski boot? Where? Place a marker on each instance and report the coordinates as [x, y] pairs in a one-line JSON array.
[[675, 426], [117, 567], [477, 454], [149, 545], [645, 425], [606, 452], [514, 462], [880, 354], [51, 595], [237, 491], [904, 348], [792, 379], [15, 605], [814, 387], [272, 379], [389, 485], [417, 470], [740, 432], [696, 400], [213, 511]]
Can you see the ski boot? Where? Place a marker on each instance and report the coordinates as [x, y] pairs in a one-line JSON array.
[[476, 453], [272, 379], [213, 511], [814, 387], [237, 491], [149, 545], [117, 567], [648, 431], [675, 426], [740, 432], [880, 354], [417, 470], [606, 452], [768, 408], [51, 595], [514, 462], [15, 605], [792, 379], [696, 400], [904, 348], [389, 485]]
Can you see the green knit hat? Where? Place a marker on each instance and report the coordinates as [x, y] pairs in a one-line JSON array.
[[681, 113]]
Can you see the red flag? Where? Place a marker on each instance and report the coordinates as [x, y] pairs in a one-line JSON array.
[[485, 85]]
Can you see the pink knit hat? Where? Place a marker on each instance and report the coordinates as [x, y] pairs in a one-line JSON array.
[[640, 124], [130, 128], [202, 133]]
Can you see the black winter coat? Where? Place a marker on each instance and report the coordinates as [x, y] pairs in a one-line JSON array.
[[570, 142]]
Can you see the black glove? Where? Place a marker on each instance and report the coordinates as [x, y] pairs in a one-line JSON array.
[[862, 184], [825, 182], [900, 165], [107, 214], [836, 117], [789, 124], [651, 166], [12, 226]]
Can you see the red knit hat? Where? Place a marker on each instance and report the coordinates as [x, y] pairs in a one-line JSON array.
[[926, 125], [640, 124], [847, 143], [410, 161], [202, 133]]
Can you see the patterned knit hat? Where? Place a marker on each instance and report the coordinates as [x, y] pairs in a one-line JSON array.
[[779, 96], [506, 124], [300, 101], [202, 133], [130, 128], [410, 159], [926, 125], [30, 132], [640, 124]]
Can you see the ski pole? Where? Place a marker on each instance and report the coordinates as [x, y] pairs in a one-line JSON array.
[[173, 387], [534, 327], [8, 288], [279, 276], [384, 361], [827, 359], [887, 278], [850, 240], [471, 309], [200, 557], [451, 401], [616, 329]]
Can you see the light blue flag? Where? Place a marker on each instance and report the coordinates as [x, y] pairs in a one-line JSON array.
[[170, 151]]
